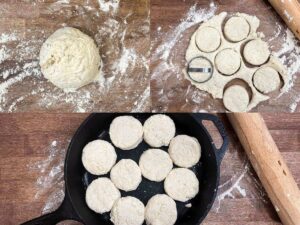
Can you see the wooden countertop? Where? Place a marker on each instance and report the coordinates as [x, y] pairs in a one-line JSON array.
[[169, 20], [25, 140]]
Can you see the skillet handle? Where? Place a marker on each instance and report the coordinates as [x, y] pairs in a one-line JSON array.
[[219, 125], [64, 212]]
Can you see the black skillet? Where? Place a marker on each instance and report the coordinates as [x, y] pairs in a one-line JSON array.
[[96, 126]]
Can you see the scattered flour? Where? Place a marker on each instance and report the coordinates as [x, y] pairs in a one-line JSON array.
[[107, 5]]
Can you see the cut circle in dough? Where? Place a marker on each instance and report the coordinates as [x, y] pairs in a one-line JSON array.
[[128, 211], [159, 130], [155, 164], [185, 151], [161, 210], [228, 61], [236, 98], [200, 63], [236, 29], [98, 157], [256, 52], [101, 195], [70, 59], [266, 79], [208, 39], [126, 132], [126, 175], [181, 184]]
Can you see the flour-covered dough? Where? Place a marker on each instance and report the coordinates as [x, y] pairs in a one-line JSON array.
[[128, 211], [161, 210], [155, 164], [181, 184], [98, 157], [228, 61], [126, 175], [208, 39], [70, 59], [236, 28], [185, 151], [256, 52], [236, 98], [159, 130], [266, 79], [126, 132], [101, 195]]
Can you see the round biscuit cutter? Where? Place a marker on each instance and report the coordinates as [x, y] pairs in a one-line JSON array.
[[204, 70]]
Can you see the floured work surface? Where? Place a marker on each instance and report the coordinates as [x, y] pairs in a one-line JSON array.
[[172, 26], [119, 27]]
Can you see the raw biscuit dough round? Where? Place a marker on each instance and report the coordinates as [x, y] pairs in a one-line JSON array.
[[266, 79], [98, 157], [200, 63], [236, 98], [181, 184], [155, 164], [126, 175], [101, 195], [159, 130], [256, 52], [228, 61], [126, 132], [236, 29], [70, 59], [208, 39], [185, 151], [128, 211], [161, 210]]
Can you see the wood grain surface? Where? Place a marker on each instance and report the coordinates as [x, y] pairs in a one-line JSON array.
[[170, 91], [25, 140], [122, 36]]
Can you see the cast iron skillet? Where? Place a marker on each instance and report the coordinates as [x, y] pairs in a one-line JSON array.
[[96, 126]]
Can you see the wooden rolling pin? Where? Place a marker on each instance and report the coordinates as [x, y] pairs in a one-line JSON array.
[[269, 165], [289, 11]]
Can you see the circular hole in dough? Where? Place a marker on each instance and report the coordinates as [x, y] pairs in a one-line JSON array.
[[155, 164], [181, 184], [98, 157], [70, 59], [128, 211], [200, 63], [236, 29], [208, 39], [126, 175], [256, 52], [159, 130], [126, 132], [161, 209], [266, 79], [228, 61], [236, 98], [185, 151], [101, 195]]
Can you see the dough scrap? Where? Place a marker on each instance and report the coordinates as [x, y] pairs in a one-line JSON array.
[[128, 211], [185, 151], [208, 39], [236, 98], [159, 130], [256, 52], [101, 195], [126, 175], [181, 184], [126, 132], [70, 59], [98, 157], [236, 29], [155, 164], [228, 61], [161, 210], [266, 79]]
